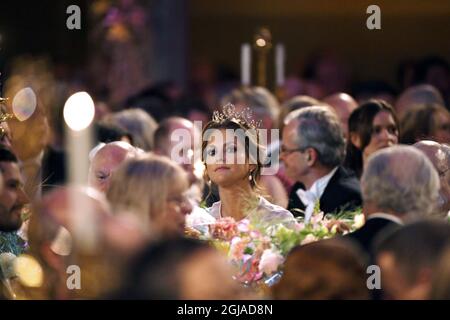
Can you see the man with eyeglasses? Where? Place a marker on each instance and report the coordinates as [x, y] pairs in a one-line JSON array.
[[312, 150]]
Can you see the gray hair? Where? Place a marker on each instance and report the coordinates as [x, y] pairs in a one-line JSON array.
[[139, 124], [319, 128], [260, 100], [401, 179]]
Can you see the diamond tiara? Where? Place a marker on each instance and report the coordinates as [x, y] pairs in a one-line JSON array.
[[243, 117]]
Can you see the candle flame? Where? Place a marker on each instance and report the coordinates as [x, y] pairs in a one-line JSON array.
[[79, 111]]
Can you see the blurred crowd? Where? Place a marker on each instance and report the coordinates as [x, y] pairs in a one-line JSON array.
[[342, 145]]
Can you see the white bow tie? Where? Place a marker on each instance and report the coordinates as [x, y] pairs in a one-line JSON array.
[[309, 199]]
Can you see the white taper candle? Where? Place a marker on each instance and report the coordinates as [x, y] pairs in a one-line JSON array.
[[246, 61], [280, 58]]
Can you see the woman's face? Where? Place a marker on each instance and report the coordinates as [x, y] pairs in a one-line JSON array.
[[176, 208], [384, 133], [226, 163], [441, 131]]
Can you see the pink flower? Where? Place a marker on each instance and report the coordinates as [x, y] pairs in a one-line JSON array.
[[308, 239], [270, 261], [255, 234], [236, 248], [224, 229], [315, 219], [299, 226], [249, 272], [244, 225]]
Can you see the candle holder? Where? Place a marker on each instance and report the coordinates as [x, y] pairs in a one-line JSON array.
[[262, 44], [4, 116]]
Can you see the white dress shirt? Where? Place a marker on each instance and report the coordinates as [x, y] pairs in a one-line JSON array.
[[313, 194]]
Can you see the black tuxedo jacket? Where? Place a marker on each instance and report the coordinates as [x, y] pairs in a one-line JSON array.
[[342, 191], [368, 233], [366, 237]]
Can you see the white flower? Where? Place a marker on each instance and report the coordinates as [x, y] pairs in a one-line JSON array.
[[199, 219], [270, 261], [358, 221]]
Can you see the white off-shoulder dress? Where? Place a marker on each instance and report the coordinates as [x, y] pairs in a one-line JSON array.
[[264, 215]]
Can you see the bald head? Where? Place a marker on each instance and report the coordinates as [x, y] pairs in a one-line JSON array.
[[299, 102], [434, 152], [400, 180], [105, 160], [420, 94], [439, 155], [344, 105]]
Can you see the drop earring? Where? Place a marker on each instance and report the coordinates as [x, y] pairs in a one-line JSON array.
[[207, 179]]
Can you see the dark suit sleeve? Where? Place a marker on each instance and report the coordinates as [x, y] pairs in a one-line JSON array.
[[342, 193]]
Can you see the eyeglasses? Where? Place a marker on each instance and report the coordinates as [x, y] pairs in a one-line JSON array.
[[283, 149], [179, 200]]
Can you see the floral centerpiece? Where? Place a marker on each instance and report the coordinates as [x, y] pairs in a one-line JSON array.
[[258, 254]]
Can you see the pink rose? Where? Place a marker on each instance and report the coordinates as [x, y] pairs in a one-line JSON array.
[[236, 248], [270, 261]]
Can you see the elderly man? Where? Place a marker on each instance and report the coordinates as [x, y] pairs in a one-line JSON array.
[[439, 155], [105, 159], [312, 150], [344, 105], [398, 184]]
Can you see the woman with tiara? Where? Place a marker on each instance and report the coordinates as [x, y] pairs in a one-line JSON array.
[[233, 158]]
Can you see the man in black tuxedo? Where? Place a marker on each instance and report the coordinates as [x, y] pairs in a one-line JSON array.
[[312, 150], [398, 184]]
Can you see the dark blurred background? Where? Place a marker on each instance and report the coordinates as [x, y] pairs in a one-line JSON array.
[[188, 39]]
